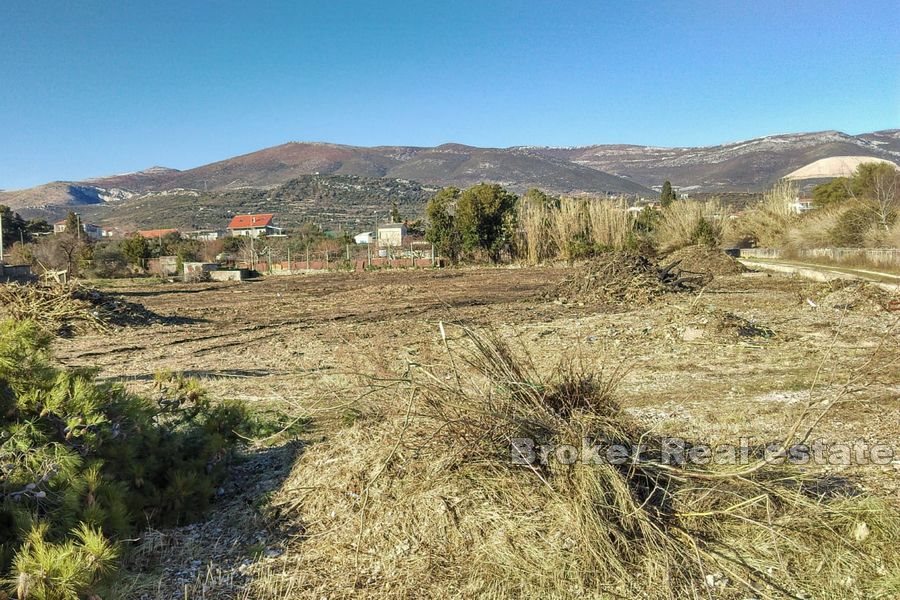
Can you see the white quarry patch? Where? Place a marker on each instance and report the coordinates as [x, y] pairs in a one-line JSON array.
[[835, 166]]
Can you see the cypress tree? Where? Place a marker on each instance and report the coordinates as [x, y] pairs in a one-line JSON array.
[[667, 195]]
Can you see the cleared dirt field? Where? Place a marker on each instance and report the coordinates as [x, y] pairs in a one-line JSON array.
[[280, 339], [737, 360]]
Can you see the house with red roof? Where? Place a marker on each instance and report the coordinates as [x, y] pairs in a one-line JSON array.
[[253, 225]]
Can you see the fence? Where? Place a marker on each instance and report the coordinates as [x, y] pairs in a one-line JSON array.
[[889, 257], [351, 258]]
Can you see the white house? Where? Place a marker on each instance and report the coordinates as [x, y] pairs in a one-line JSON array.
[[94, 232], [366, 237], [391, 234]]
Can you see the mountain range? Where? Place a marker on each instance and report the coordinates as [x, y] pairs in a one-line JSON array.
[[746, 166]]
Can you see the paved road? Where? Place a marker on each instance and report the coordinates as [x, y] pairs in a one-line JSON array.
[[888, 281]]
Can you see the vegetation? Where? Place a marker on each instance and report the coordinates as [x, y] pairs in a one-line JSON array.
[[503, 481], [685, 223], [442, 230], [857, 211], [17, 229], [330, 200], [84, 463], [767, 223], [485, 216], [667, 195]]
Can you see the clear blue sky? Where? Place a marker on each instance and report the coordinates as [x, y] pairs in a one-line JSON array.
[[91, 88]]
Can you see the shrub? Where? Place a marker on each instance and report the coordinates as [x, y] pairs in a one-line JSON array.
[[852, 225], [82, 462], [814, 229]]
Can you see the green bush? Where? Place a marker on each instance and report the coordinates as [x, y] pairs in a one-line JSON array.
[[852, 225], [81, 459]]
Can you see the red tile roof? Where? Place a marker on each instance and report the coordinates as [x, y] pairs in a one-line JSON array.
[[251, 221], [156, 233]]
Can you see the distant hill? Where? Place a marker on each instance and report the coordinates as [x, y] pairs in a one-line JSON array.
[[750, 165], [450, 164], [333, 201], [747, 167]]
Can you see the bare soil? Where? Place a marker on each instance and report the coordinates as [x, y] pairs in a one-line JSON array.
[[737, 359], [281, 338]]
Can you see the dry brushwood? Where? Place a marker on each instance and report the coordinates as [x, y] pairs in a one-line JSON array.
[[70, 308], [707, 260], [626, 278], [447, 509]]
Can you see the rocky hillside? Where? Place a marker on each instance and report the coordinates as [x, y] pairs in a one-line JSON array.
[[451, 164], [333, 201], [748, 166]]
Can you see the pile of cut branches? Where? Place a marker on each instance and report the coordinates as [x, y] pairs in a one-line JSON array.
[[626, 278], [70, 308]]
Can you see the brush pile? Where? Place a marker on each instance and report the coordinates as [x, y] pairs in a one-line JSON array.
[[625, 278], [481, 478], [71, 308], [703, 259], [860, 296]]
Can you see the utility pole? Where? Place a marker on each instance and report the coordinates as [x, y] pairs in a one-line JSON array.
[[252, 253], [1, 237]]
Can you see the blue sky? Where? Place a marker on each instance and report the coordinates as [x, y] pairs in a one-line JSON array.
[[91, 88]]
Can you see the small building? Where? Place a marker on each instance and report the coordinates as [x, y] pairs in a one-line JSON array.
[[94, 232], [91, 231], [366, 237], [253, 225], [165, 266], [205, 235], [391, 234], [196, 271], [229, 274], [155, 234]]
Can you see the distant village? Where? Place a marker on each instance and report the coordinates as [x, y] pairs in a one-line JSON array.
[[253, 226], [268, 248]]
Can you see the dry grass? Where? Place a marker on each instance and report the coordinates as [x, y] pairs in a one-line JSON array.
[[534, 219], [878, 237], [556, 231], [568, 224], [610, 223], [425, 501], [768, 222], [70, 308], [814, 229], [688, 222]]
